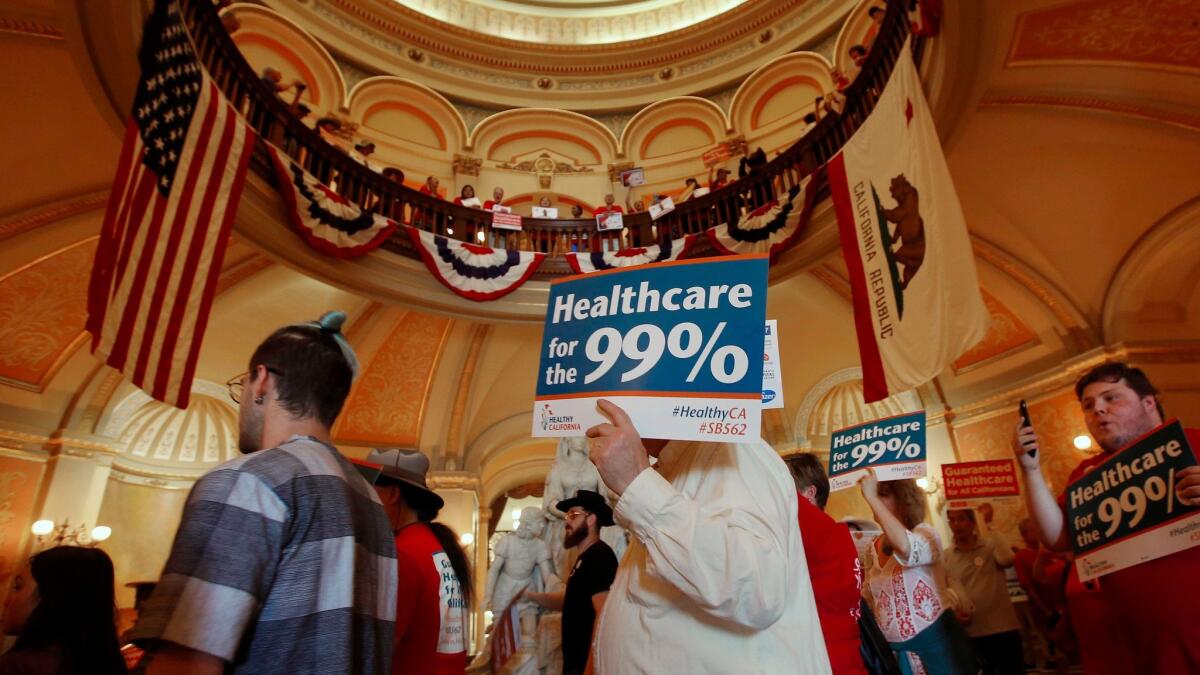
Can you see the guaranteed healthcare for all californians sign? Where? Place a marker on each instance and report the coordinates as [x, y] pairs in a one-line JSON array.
[[894, 447], [677, 344], [1124, 512], [969, 482]]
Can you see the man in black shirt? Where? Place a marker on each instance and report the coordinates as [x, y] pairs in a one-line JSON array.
[[590, 578]]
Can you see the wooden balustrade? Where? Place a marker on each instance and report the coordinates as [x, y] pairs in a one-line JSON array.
[[277, 123]]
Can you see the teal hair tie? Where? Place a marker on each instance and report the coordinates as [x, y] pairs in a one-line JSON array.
[[332, 322]]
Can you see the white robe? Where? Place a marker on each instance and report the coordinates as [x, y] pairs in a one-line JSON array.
[[715, 579]]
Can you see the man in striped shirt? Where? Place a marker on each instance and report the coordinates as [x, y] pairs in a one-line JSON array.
[[284, 560]]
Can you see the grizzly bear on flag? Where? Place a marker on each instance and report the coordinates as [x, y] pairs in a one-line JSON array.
[[910, 229]]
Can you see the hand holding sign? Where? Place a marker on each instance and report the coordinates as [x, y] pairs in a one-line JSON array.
[[870, 485], [616, 448], [1187, 486]]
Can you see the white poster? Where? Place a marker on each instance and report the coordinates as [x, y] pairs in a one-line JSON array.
[[772, 391]]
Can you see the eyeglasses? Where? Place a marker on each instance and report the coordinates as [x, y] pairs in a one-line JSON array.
[[237, 384], [575, 513]]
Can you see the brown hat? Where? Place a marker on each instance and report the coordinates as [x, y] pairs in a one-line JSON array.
[[408, 467]]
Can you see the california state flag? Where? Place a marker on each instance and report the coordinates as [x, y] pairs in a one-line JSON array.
[[917, 304]]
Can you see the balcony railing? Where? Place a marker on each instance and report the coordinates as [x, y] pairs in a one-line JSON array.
[[276, 122]]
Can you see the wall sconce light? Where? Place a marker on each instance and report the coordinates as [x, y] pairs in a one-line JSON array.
[[930, 484], [466, 539], [1082, 441], [49, 536]]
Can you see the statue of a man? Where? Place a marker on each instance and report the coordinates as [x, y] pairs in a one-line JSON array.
[[572, 471], [521, 561]]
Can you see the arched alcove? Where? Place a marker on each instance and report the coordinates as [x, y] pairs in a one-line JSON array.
[[857, 29], [768, 108], [268, 39], [405, 117], [512, 133]]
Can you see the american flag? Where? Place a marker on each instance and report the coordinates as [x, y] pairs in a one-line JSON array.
[[178, 183]]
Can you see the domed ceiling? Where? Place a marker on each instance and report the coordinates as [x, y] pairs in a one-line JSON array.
[[582, 55], [577, 22]]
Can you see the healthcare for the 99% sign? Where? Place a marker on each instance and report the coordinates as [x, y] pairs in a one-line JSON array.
[[645, 345]]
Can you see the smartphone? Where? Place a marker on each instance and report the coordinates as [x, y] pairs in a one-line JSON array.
[[1026, 423]]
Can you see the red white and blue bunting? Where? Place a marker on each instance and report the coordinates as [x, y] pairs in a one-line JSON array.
[[475, 272], [772, 228], [583, 263], [326, 220]]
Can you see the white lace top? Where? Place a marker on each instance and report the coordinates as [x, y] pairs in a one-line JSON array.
[[907, 593]]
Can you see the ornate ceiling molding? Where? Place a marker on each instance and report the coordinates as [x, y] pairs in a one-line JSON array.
[[1178, 119], [1147, 34], [1079, 334], [30, 27], [571, 23], [385, 37], [32, 219]]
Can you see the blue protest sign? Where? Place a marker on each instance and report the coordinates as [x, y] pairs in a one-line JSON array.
[[1124, 512], [894, 447], [677, 344]]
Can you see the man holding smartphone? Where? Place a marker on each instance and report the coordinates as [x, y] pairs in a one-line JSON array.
[[1156, 603]]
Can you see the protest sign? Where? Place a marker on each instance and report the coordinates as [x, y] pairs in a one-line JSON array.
[[544, 212], [716, 155], [1124, 511], [969, 482], [471, 202], [506, 221], [772, 391], [676, 344], [633, 177], [663, 207], [609, 220], [894, 447]]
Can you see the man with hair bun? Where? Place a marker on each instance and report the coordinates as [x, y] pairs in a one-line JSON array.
[[283, 555], [1150, 609]]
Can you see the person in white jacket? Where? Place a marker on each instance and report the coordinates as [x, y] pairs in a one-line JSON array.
[[715, 579]]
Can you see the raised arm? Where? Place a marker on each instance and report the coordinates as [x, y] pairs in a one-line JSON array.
[[1047, 515]]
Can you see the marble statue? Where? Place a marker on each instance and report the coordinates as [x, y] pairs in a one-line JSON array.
[[573, 471], [521, 561]]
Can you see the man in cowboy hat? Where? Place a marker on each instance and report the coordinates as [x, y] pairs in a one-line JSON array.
[[434, 578], [590, 578]]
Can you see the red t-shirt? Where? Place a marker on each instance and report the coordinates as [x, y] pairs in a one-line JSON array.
[[487, 206], [431, 617], [836, 575], [1050, 587], [615, 208], [425, 190], [1154, 603]]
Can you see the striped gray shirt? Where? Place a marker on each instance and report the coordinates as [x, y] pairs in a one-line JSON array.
[[284, 562]]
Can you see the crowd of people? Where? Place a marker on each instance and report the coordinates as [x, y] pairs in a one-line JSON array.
[[292, 559]]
